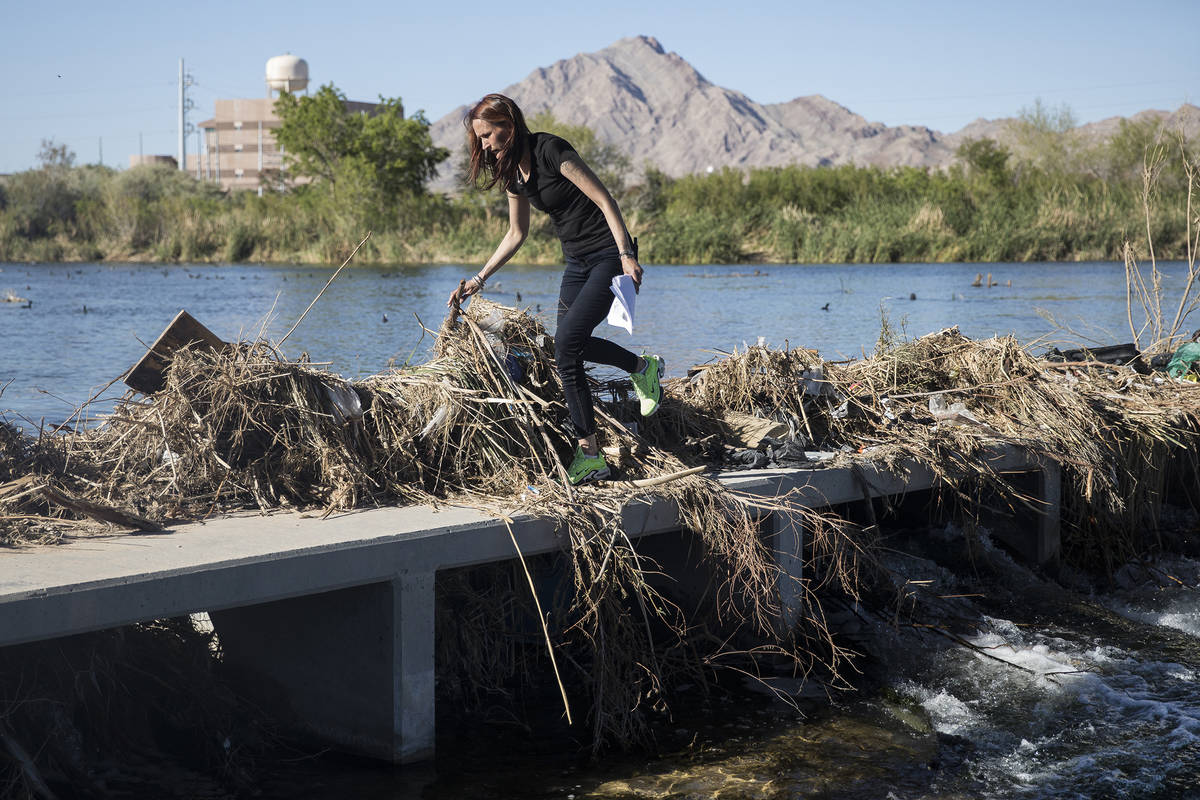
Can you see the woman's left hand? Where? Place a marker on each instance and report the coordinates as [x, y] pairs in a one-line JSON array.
[[631, 267]]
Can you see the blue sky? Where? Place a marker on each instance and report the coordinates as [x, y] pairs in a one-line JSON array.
[[94, 75]]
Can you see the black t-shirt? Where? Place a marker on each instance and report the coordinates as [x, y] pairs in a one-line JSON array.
[[578, 222]]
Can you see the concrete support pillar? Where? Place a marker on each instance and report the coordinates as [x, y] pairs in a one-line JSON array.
[[413, 649], [787, 542], [353, 667], [1035, 537], [1049, 522]]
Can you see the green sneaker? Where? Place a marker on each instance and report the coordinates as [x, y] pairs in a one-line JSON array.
[[585, 468], [647, 384]]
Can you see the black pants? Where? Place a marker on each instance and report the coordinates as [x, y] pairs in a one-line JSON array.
[[583, 302]]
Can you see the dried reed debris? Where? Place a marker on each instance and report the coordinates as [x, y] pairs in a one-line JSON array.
[[483, 421]]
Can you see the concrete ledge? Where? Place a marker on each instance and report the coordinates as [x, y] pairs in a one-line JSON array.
[[332, 620], [248, 559]]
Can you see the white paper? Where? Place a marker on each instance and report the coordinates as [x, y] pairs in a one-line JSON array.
[[621, 313]]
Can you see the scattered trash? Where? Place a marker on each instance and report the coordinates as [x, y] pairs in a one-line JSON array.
[[813, 382], [955, 414], [888, 415], [435, 421], [1184, 361], [752, 459], [344, 403]]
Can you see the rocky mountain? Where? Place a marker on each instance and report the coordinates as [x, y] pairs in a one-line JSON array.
[[660, 110], [1186, 117]]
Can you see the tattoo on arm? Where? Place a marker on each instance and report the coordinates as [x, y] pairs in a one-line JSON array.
[[580, 174]]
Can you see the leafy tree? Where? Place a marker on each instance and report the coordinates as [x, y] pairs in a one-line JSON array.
[[986, 158], [52, 155], [651, 196], [379, 151], [1123, 156], [1045, 138], [41, 202]]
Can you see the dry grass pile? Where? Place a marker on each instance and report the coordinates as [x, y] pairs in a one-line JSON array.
[[483, 422], [245, 428], [943, 398], [787, 386]]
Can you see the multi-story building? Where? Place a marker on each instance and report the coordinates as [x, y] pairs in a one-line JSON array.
[[238, 148]]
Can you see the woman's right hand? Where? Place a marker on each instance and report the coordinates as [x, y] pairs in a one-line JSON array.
[[465, 289]]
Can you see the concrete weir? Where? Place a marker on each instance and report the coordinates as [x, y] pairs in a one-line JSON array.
[[335, 616]]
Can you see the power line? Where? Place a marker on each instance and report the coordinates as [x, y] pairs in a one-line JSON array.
[[94, 90], [218, 90], [1026, 93], [87, 114]]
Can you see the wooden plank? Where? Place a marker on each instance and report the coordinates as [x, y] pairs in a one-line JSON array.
[[149, 374]]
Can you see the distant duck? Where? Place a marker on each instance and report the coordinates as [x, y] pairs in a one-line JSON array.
[[912, 295], [385, 317], [28, 304], [85, 308], [825, 307], [978, 279], [518, 297]]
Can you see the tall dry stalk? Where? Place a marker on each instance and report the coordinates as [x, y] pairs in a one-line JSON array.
[[1144, 300]]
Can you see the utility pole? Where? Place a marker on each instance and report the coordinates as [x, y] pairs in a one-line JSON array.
[[102, 151], [185, 105]]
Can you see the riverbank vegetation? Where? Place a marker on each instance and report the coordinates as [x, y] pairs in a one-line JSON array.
[[1049, 195]]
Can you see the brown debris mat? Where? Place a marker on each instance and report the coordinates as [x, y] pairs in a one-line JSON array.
[[482, 423]]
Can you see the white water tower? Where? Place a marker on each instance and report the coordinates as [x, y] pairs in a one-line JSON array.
[[286, 73]]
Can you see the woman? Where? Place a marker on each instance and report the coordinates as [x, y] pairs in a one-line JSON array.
[[544, 171]]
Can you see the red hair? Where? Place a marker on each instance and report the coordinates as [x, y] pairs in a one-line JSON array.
[[486, 168]]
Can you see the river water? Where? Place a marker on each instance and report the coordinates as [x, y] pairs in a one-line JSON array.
[[1069, 693], [56, 354]]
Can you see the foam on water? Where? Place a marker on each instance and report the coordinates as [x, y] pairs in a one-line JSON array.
[[1183, 614], [1165, 594], [1065, 717]]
